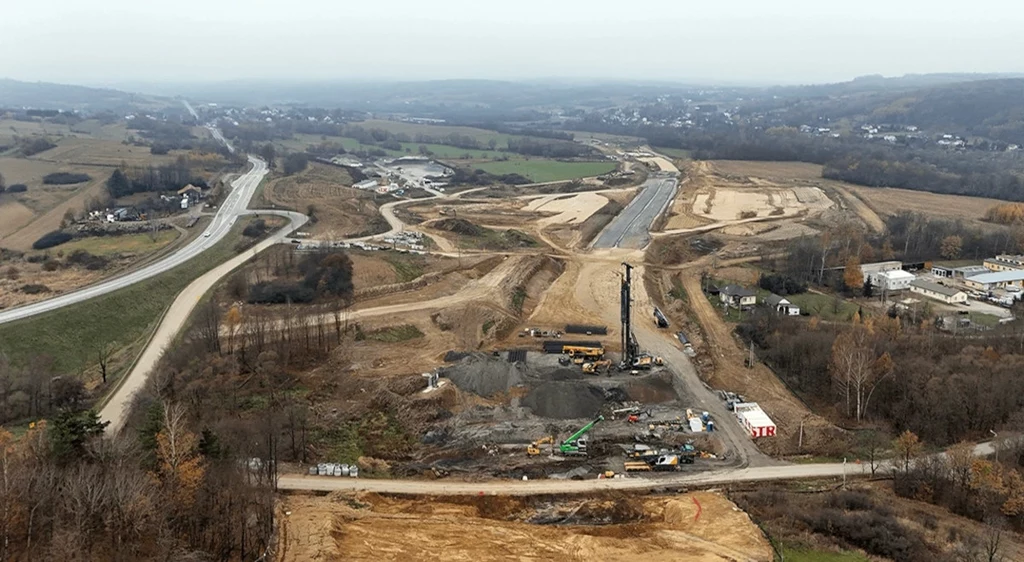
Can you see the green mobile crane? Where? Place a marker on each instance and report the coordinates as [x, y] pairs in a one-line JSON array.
[[576, 444]]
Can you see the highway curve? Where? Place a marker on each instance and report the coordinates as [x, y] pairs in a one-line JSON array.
[[233, 206]]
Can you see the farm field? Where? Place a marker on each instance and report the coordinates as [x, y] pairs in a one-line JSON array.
[[889, 201], [540, 171], [98, 152], [124, 244], [481, 135], [673, 152]]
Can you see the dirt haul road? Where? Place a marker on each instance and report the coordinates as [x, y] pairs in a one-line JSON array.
[[541, 487], [598, 289]]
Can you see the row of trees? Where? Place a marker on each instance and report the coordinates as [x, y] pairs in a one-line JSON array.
[[168, 177]]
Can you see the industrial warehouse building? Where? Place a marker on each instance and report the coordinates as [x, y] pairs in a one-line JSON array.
[[1005, 262], [996, 279], [941, 293]]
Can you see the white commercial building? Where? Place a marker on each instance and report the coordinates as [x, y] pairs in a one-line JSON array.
[[753, 418], [941, 293], [894, 280], [996, 280], [869, 269]]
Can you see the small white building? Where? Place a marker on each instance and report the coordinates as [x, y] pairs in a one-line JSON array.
[[896, 280], [782, 305], [366, 184], [754, 420], [941, 293]]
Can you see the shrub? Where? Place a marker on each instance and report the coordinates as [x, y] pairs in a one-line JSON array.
[[36, 145], [51, 265], [748, 214], [51, 239], [34, 289], [87, 260], [17, 188], [781, 284], [13, 273], [65, 178], [280, 292], [255, 229]]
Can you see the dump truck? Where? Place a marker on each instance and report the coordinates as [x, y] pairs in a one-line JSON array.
[[576, 444], [660, 318]]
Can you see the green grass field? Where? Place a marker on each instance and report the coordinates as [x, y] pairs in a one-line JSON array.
[[72, 335], [481, 135], [125, 244], [540, 171], [824, 306], [673, 152]]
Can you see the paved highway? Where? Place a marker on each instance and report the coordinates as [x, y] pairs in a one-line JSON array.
[[631, 228], [242, 190]]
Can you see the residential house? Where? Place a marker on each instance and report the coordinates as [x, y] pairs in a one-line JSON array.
[[941, 293], [737, 297], [191, 194], [782, 305]]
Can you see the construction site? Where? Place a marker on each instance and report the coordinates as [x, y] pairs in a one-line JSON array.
[[516, 350]]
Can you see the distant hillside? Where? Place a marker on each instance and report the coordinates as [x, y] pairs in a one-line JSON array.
[[988, 108], [45, 95], [881, 84]]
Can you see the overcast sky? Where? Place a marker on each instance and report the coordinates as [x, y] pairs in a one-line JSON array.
[[737, 41]]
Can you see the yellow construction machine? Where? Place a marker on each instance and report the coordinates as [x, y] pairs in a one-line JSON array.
[[596, 367], [533, 449], [581, 355]]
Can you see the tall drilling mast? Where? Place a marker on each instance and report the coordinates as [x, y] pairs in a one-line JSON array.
[[629, 346]]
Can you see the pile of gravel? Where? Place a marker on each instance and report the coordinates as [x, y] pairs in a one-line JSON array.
[[565, 400], [484, 376]]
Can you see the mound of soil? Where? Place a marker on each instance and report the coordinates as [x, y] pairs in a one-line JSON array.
[[516, 239], [459, 226], [655, 389], [484, 377], [565, 400]]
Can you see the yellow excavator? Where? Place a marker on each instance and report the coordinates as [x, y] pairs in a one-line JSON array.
[[533, 449], [595, 367]]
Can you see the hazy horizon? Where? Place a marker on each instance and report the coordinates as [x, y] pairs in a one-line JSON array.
[[119, 42]]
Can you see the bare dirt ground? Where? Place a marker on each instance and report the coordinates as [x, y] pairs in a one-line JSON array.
[[340, 211], [573, 209], [775, 197], [704, 526]]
